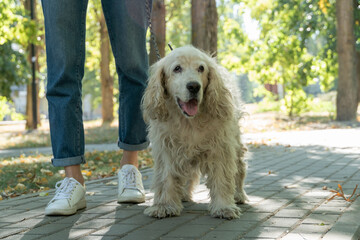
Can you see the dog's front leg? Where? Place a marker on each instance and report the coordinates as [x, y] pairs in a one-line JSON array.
[[221, 182], [167, 192]]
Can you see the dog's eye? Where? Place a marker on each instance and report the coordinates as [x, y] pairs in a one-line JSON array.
[[201, 69], [178, 69]]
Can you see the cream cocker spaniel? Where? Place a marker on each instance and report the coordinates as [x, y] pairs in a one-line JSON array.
[[192, 118]]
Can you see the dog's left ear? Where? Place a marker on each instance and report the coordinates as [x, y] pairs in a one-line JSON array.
[[217, 98]]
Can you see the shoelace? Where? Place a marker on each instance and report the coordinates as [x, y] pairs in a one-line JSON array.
[[129, 180], [65, 189]]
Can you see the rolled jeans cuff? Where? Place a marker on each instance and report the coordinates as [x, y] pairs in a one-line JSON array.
[[64, 162], [132, 147]]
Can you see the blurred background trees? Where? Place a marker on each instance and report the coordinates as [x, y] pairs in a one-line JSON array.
[[283, 53]]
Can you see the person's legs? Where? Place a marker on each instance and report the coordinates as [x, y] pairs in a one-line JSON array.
[[127, 24], [65, 51]]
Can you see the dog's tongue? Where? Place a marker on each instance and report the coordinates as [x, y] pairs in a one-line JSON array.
[[190, 107]]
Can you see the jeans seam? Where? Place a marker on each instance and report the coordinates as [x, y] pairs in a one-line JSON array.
[[79, 61]]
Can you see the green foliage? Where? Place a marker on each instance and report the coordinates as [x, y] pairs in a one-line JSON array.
[[231, 37], [14, 69], [6, 109], [17, 30], [178, 23], [296, 48]]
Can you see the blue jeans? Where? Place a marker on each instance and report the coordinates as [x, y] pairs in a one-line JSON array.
[[65, 49]]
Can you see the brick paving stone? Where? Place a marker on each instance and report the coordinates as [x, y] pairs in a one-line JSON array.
[[291, 213], [47, 229], [222, 235], [174, 238], [121, 213], [266, 232], [166, 223], [343, 231], [208, 220], [118, 229], [190, 231], [77, 218], [23, 237], [251, 216], [95, 223], [101, 209], [145, 234], [4, 232], [299, 236], [139, 219], [90, 237], [237, 225], [321, 219], [280, 222], [69, 234], [311, 229]]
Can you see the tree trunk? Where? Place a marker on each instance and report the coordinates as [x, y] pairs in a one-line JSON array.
[[358, 74], [30, 119], [159, 28], [204, 20], [346, 101], [107, 81]]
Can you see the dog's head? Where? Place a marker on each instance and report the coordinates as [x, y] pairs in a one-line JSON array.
[[188, 81]]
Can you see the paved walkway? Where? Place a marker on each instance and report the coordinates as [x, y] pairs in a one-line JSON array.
[[288, 182]]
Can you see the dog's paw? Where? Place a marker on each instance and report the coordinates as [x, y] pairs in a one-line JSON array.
[[231, 212], [241, 197], [186, 199], [162, 211]]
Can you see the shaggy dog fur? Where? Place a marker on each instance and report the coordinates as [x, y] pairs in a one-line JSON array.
[[193, 126]]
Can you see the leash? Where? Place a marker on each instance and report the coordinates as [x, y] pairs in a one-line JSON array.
[[152, 34]]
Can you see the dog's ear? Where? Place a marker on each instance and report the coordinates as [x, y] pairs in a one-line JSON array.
[[153, 101], [217, 98]]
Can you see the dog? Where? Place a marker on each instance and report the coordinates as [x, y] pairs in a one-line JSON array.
[[193, 126]]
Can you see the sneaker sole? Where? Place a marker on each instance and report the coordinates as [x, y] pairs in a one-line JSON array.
[[65, 212], [131, 199]]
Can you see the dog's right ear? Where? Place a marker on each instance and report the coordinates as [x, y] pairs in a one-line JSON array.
[[153, 101]]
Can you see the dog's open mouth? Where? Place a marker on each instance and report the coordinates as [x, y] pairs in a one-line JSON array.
[[189, 108]]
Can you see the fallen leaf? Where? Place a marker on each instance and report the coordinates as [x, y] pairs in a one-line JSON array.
[[20, 187], [43, 194], [20, 180], [114, 183]]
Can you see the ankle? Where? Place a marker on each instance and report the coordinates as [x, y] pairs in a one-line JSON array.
[[129, 157], [74, 172]]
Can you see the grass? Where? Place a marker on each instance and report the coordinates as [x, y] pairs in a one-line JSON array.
[[35, 174], [19, 138]]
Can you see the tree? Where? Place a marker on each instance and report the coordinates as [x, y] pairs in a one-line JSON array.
[[204, 20], [107, 81], [346, 102], [159, 28], [32, 121]]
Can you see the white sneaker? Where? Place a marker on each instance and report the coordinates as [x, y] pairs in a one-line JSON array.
[[69, 197], [130, 185]]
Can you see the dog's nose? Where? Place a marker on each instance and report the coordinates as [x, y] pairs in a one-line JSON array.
[[193, 87]]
